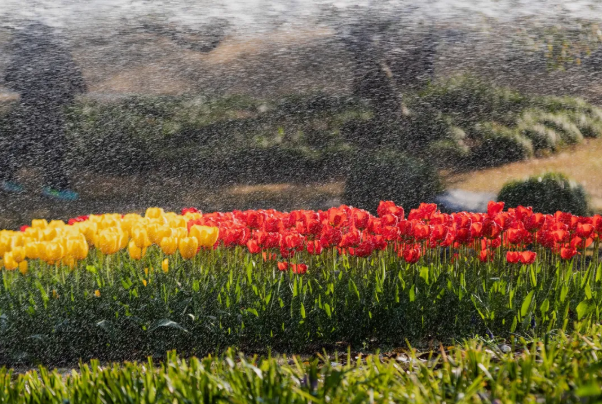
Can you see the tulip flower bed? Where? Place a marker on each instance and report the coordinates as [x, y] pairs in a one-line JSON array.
[[117, 287], [556, 369]]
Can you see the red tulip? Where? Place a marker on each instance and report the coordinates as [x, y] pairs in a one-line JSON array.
[[364, 249], [584, 230], [189, 210], [517, 236], [389, 208], [527, 257], [330, 237], [361, 218], [567, 253], [254, 219], [494, 208], [512, 257], [411, 254], [491, 229], [314, 247], [534, 222], [253, 247], [422, 231], [486, 256], [350, 239], [299, 269], [439, 232], [282, 266]]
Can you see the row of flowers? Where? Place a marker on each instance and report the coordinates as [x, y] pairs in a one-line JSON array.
[[356, 232], [517, 233]]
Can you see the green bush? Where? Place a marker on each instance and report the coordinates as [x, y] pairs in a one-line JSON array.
[[497, 145], [469, 100], [448, 153], [588, 125], [563, 125], [546, 194], [541, 136], [377, 176]]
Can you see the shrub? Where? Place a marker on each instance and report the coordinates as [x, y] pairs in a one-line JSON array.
[[448, 153], [469, 100], [377, 176], [498, 145], [546, 194], [562, 124], [541, 136], [588, 125]]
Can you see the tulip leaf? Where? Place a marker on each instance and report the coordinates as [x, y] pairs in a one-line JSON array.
[[524, 309], [583, 308]]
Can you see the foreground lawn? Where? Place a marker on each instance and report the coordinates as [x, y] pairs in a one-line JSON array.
[[557, 368]]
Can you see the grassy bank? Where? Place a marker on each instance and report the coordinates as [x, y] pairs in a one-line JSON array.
[[554, 369]]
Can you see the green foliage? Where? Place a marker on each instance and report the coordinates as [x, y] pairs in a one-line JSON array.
[[558, 368], [496, 145], [468, 100], [542, 137], [502, 125], [448, 153], [547, 194], [589, 126], [562, 124], [384, 175]]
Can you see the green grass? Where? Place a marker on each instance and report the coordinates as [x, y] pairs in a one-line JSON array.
[[555, 369], [227, 298]]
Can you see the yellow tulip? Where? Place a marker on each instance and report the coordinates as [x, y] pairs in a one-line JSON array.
[[89, 230], [97, 293], [9, 261], [123, 239], [110, 221], [135, 252], [169, 245], [144, 282], [77, 248], [165, 265], [18, 253], [192, 216], [51, 252], [179, 232], [140, 237], [188, 247], [154, 213], [206, 235], [177, 221], [17, 240], [157, 232], [129, 221], [49, 233], [32, 250], [57, 223], [23, 267], [108, 242], [39, 223], [5, 244], [33, 232]]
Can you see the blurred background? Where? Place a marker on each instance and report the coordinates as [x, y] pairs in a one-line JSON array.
[[298, 104]]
